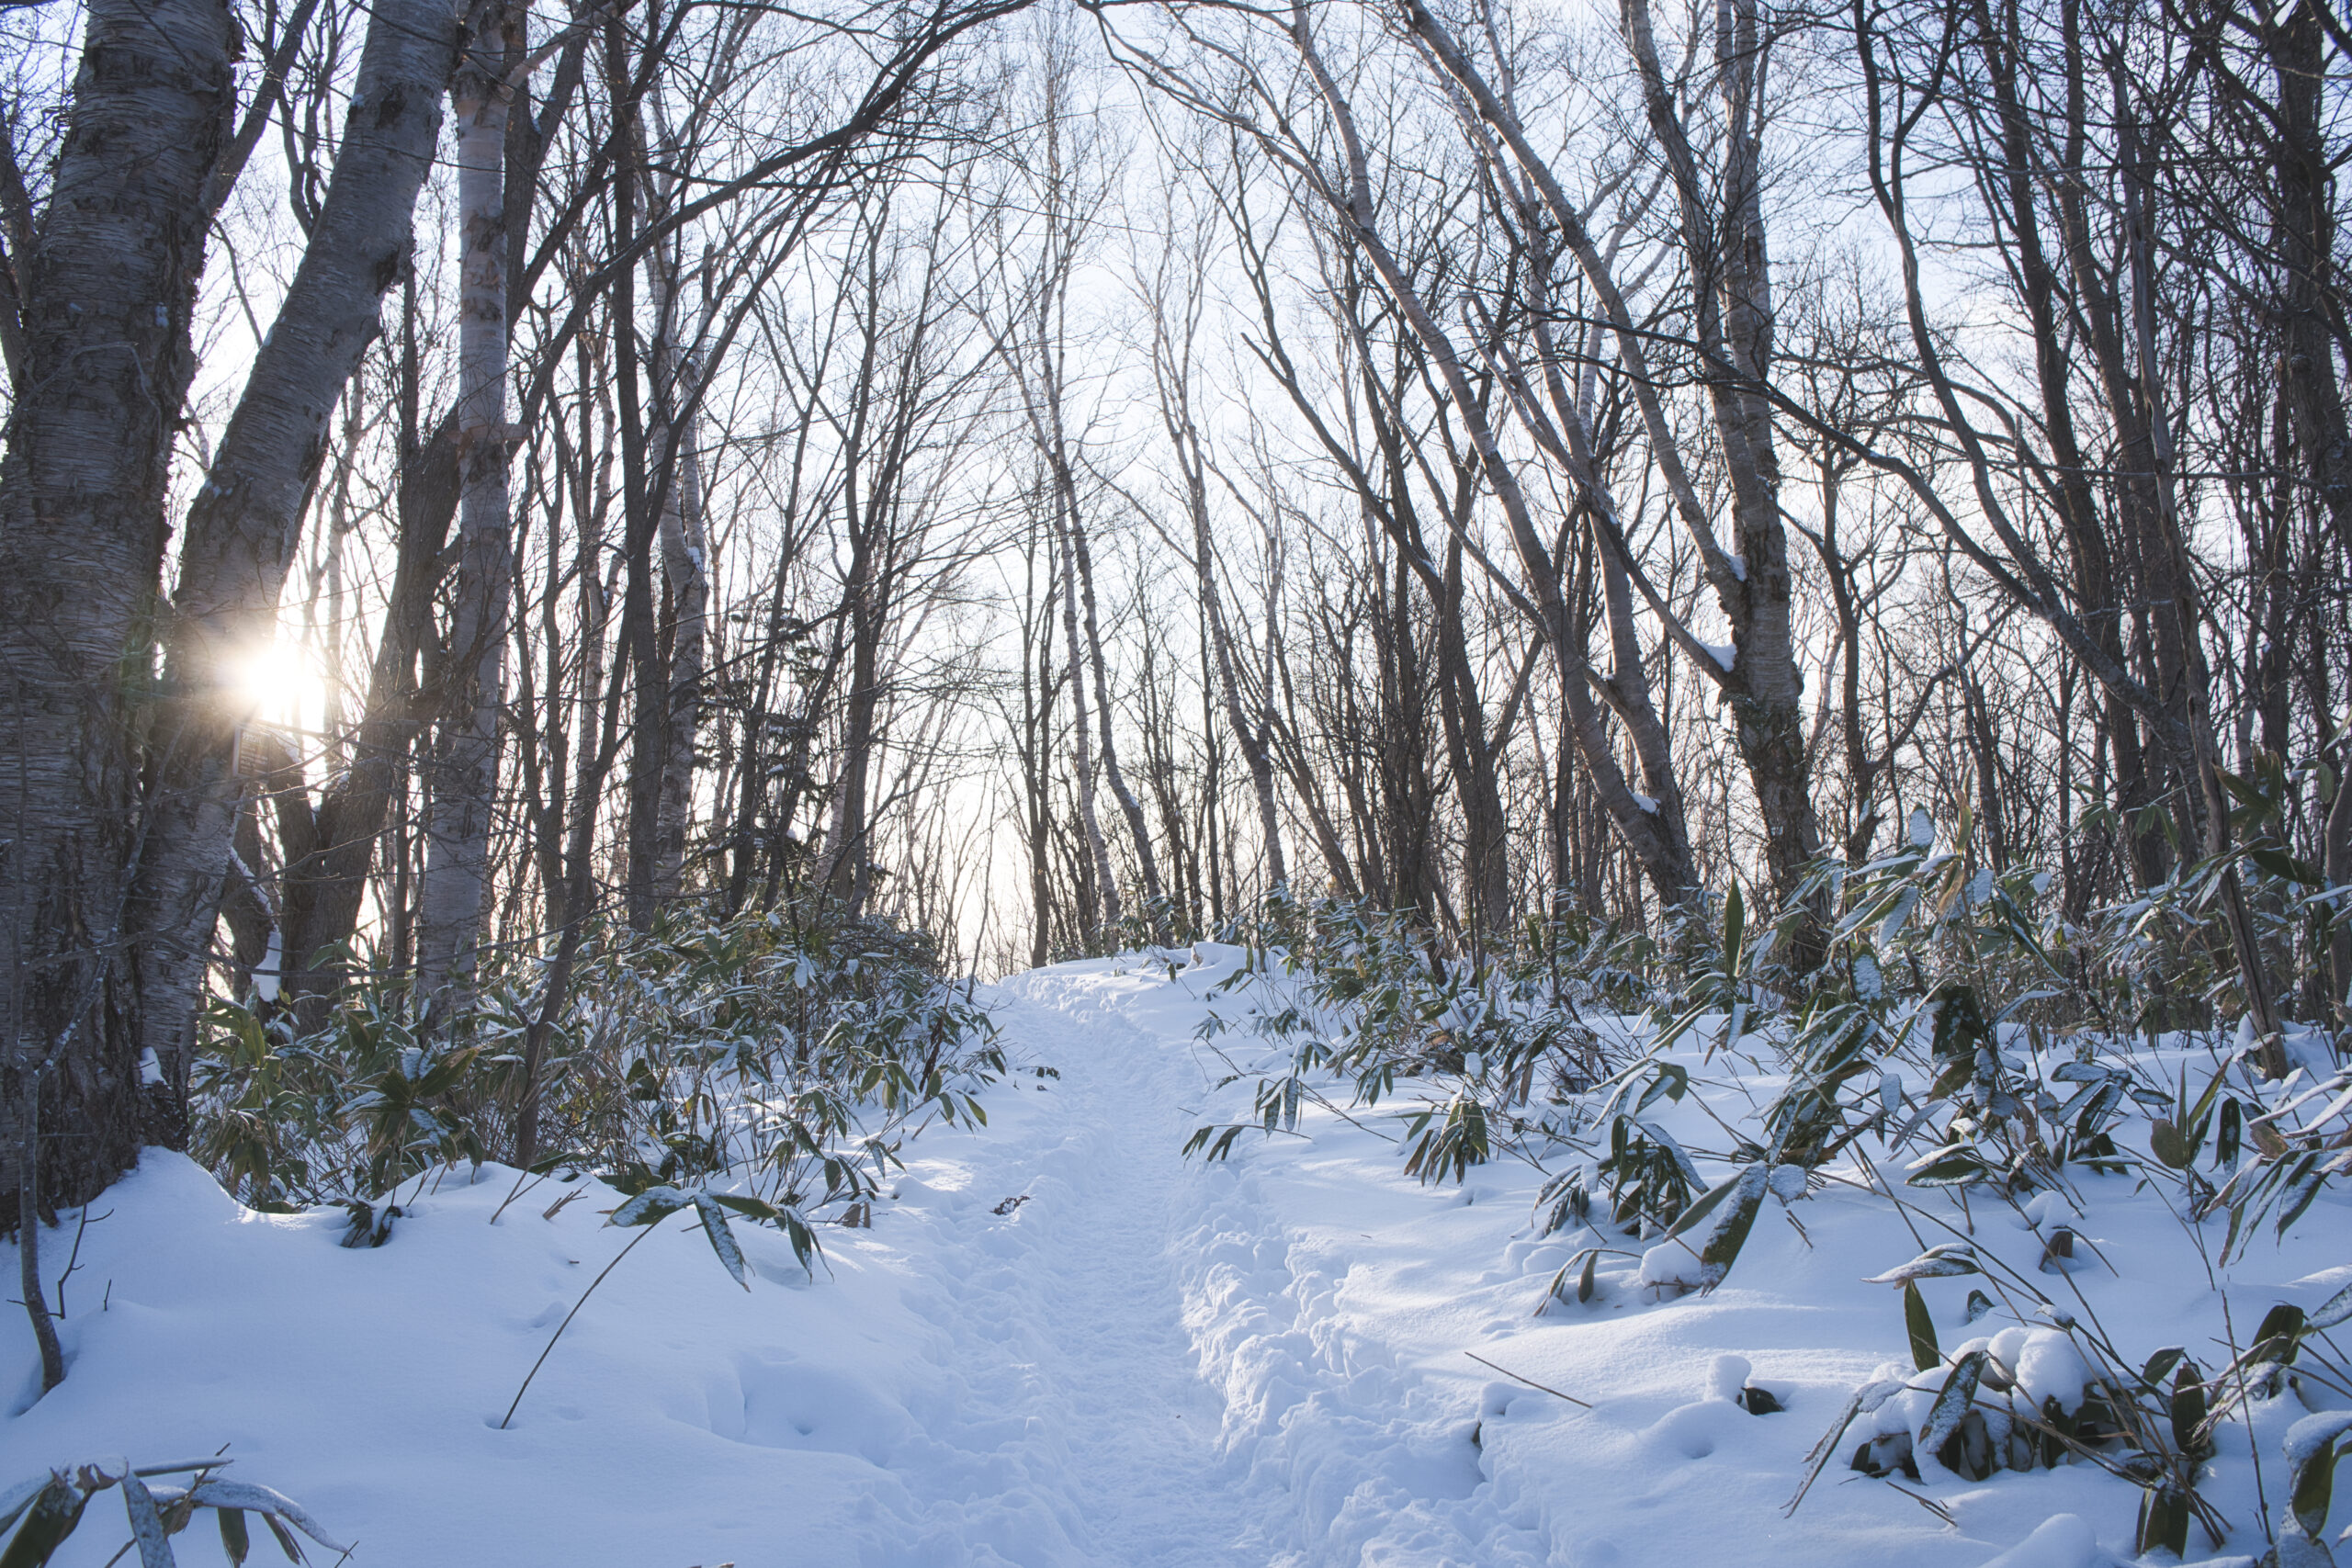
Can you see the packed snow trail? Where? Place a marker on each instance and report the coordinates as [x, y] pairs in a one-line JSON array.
[[1219, 1413], [1068, 1310]]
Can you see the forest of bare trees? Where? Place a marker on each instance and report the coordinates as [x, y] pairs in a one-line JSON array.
[[483, 487]]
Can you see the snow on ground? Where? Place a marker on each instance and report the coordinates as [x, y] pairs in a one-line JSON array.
[[1064, 1344]]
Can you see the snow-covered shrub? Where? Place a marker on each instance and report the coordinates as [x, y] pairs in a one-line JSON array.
[[2056, 1390], [1921, 1038], [1919, 1027], [2162, 961], [1356, 1002], [784, 1055], [291, 1117], [794, 1054], [46, 1509]]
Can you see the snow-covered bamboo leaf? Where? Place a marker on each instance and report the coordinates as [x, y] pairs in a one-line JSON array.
[[55, 1511], [2160, 1365], [722, 1240], [1729, 1232], [1957, 1170], [750, 1208], [1711, 1231], [1665, 1140], [1701, 1207], [266, 1501], [1670, 1081], [17, 1499], [2311, 1467], [652, 1204], [2302, 1187], [1943, 1262], [1952, 1403], [2334, 1310], [1904, 902], [146, 1524], [1864, 1400]]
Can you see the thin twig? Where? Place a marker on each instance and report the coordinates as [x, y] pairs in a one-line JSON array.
[[520, 1177], [2245, 1401], [1939, 1509], [1531, 1382], [560, 1328]]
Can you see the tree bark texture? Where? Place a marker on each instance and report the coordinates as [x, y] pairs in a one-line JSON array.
[[245, 523], [465, 759], [684, 568], [1664, 853], [108, 294]]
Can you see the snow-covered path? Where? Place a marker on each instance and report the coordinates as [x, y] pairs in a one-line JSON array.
[[1067, 1313], [1214, 1401]]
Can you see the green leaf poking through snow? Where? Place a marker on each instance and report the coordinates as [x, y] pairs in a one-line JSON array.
[[1925, 1352], [722, 1240], [1724, 1217], [54, 1514], [1958, 1394], [2311, 1468]]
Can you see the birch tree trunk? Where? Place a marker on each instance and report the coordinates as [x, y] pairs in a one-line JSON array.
[[1129, 807], [242, 530], [465, 759], [107, 294], [1184, 437], [1659, 841], [1732, 316], [1082, 752], [849, 838], [321, 894], [684, 568]]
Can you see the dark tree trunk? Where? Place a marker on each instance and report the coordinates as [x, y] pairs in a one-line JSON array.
[[243, 527], [107, 294]]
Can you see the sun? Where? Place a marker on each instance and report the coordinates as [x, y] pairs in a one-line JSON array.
[[278, 683]]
